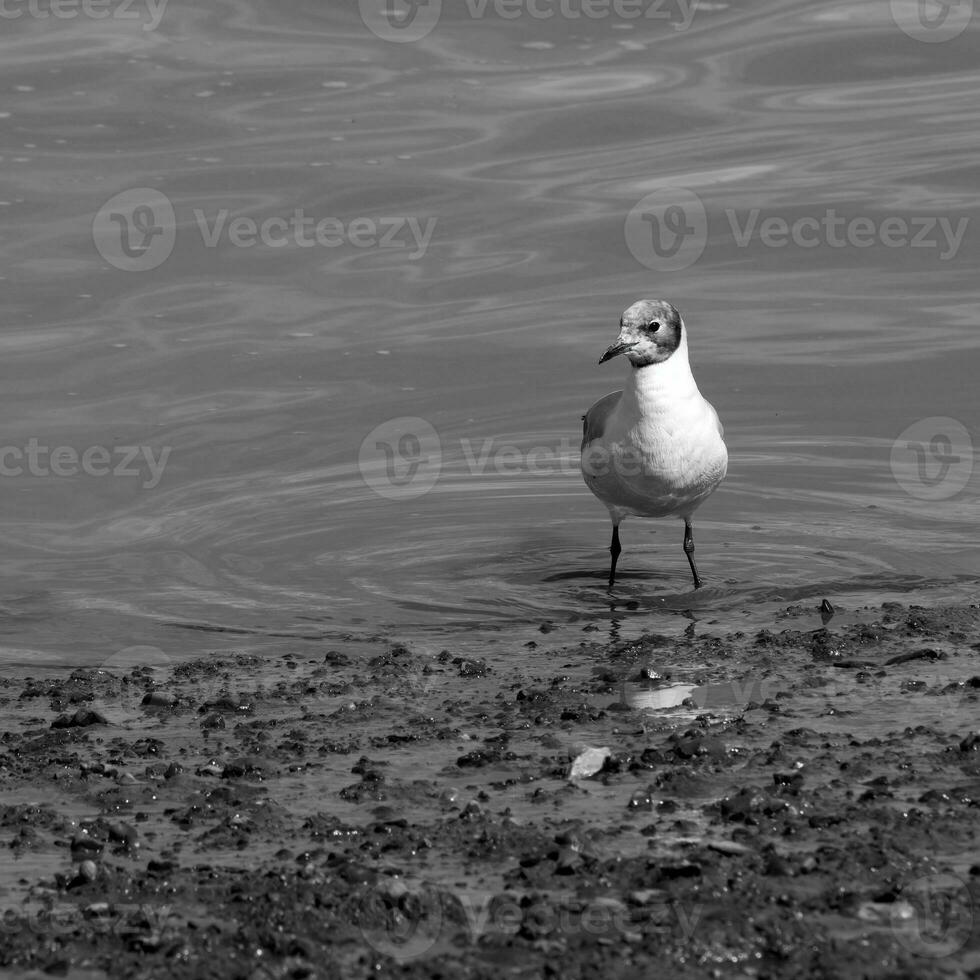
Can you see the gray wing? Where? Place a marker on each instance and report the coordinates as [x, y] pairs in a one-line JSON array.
[[594, 420]]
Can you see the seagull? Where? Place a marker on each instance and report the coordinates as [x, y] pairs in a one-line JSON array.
[[656, 448]]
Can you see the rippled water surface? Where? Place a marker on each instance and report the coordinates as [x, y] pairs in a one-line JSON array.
[[253, 375]]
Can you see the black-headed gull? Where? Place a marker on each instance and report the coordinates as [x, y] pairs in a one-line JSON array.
[[654, 449]]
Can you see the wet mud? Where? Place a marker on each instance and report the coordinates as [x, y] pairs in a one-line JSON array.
[[799, 802]]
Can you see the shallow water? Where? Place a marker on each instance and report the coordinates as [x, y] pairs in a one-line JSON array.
[[258, 375]]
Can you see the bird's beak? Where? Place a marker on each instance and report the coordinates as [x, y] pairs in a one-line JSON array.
[[620, 347]]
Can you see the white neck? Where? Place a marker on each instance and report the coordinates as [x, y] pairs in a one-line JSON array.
[[657, 388]]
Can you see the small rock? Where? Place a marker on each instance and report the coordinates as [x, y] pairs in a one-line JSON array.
[[588, 763], [83, 846], [884, 912], [644, 896], [122, 833], [693, 746], [160, 699], [776, 865], [568, 861], [80, 719], [642, 799], [790, 781], [971, 743]]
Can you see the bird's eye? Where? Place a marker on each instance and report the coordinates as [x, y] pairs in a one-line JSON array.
[[654, 326]]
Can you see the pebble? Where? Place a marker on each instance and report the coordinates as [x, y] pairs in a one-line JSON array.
[[160, 699], [728, 847], [568, 861], [642, 799], [588, 763], [123, 833], [80, 719], [82, 845]]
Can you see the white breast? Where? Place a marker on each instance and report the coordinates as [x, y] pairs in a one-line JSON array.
[[659, 450]]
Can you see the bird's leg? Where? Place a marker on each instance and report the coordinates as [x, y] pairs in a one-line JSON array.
[[689, 551], [614, 550]]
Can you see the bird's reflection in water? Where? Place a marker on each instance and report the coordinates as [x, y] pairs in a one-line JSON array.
[[616, 617]]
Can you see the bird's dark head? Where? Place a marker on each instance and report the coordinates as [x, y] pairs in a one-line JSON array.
[[649, 332]]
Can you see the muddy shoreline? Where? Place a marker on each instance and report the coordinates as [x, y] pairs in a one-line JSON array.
[[693, 806]]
